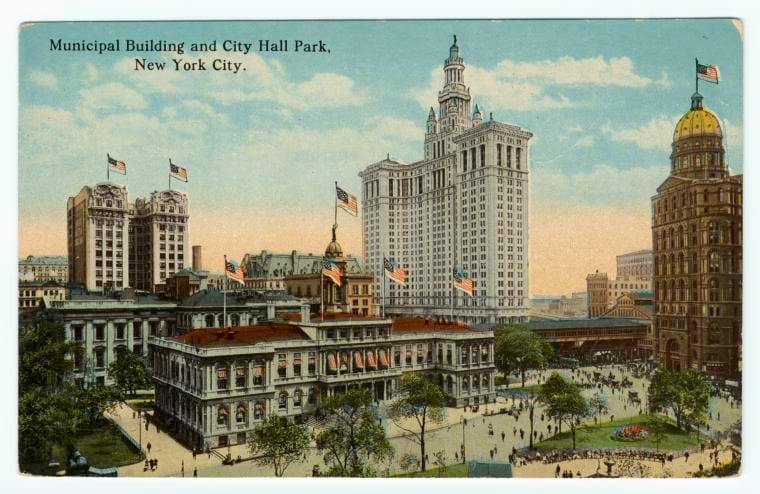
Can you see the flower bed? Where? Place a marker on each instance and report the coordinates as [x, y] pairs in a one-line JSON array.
[[630, 432]]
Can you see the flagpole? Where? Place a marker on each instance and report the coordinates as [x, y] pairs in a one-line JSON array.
[[382, 291], [108, 167], [696, 74], [335, 204], [170, 188], [224, 294], [322, 290]]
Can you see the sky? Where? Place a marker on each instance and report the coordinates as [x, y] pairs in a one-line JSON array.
[[264, 146]]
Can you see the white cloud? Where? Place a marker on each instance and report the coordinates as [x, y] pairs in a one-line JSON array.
[[657, 133], [46, 80], [112, 95], [585, 142], [598, 184], [401, 128], [733, 133], [616, 71]]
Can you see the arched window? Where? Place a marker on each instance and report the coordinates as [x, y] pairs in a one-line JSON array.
[[312, 399], [714, 264], [465, 384], [714, 290], [282, 401], [298, 398], [484, 382], [222, 415], [258, 411], [100, 357], [209, 321], [222, 323], [235, 320]]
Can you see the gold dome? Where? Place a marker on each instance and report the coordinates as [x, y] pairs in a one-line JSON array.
[[698, 121]]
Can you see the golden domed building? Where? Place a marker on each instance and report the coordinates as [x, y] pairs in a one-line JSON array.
[[697, 247]]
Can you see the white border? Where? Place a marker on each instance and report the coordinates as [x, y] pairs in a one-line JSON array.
[[39, 10]]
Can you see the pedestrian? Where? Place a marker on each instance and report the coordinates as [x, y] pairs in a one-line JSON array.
[[502, 436], [701, 467], [148, 446], [578, 474], [522, 434], [557, 471], [146, 425], [491, 454], [195, 471], [183, 468], [155, 462], [195, 452], [686, 455], [133, 414]]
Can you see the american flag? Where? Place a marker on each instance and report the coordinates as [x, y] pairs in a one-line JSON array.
[[177, 172], [394, 271], [117, 165], [346, 201], [461, 282], [708, 73], [331, 270], [233, 272]]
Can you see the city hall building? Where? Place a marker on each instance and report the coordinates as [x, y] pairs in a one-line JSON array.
[[214, 386], [465, 205]]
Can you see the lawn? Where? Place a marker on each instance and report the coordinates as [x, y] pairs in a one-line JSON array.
[[516, 389], [455, 470], [103, 445], [591, 436]]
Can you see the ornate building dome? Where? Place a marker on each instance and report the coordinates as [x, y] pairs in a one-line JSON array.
[[334, 250], [698, 121], [697, 150]]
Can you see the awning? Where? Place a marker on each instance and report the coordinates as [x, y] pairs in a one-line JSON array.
[[383, 358], [331, 363], [371, 361], [359, 360], [222, 373]]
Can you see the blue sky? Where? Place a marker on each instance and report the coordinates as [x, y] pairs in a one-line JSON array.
[[264, 146]]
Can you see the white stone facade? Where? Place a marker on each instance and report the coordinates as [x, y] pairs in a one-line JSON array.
[[465, 205]]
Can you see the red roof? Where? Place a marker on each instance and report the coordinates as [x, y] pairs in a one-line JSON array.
[[242, 335], [418, 324]]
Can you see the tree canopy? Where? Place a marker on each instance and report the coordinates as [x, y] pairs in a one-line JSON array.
[[564, 402], [355, 438], [420, 403], [518, 350], [686, 393], [278, 443], [129, 372]]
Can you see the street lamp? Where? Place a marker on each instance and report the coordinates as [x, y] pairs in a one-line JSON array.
[[464, 444]]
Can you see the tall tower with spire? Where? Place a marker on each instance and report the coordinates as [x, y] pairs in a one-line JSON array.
[[464, 207]]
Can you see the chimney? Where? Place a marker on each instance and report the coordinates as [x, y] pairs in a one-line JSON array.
[[197, 259], [305, 313]]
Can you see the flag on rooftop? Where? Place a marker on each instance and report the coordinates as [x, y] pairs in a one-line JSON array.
[[462, 282], [177, 171], [346, 201], [232, 271], [393, 271], [117, 165], [709, 73], [331, 270]]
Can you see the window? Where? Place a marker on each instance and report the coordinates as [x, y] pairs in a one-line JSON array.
[[100, 332], [312, 363], [312, 399], [258, 374], [119, 331], [241, 375], [258, 411], [137, 330], [222, 415], [282, 366], [298, 398], [282, 402], [100, 358], [241, 416], [297, 364], [222, 375]]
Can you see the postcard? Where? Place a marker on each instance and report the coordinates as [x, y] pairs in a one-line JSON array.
[[450, 248]]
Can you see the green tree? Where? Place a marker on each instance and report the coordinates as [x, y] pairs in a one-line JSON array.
[[43, 356], [94, 401], [565, 403], [531, 400], [685, 393], [421, 402], [45, 419], [355, 438], [278, 443], [519, 350], [129, 372], [658, 425], [598, 403]]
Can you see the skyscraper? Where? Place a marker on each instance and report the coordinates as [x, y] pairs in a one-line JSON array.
[[98, 243], [465, 205], [697, 243], [159, 240]]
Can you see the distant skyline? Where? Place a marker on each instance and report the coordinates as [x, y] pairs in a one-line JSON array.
[[263, 147]]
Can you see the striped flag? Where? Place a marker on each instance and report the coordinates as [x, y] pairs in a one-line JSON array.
[[709, 73], [331, 270], [177, 172], [394, 272], [117, 165], [346, 201], [461, 282], [233, 272]]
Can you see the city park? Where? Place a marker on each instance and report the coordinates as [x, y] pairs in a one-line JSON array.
[[553, 417]]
